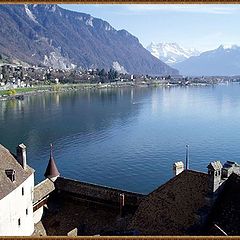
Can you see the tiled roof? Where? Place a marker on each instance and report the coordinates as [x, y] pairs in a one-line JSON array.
[[43, 189], [8, 161], [226, 211], [51, 170], [171, 209], [230, 164]]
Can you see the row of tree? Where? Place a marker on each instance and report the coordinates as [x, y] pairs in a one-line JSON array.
[[111, 75], [95, 76]]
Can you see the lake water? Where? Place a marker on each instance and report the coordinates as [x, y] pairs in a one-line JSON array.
[[125, 138]]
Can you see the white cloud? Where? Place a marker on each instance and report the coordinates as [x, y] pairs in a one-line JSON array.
[[191, 8], [210, 41]]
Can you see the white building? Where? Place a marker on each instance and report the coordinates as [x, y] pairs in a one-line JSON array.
[[16, 193]]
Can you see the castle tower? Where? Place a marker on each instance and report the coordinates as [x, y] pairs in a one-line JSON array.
[[51, 172], [214, 176]]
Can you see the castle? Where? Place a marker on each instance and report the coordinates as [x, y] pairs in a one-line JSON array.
[[191, 203], [16, 193]]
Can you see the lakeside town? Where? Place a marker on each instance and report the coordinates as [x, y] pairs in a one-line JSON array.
[[16, 80]]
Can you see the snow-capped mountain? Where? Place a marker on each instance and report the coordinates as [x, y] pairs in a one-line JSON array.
[[171, 53], [223, 61]]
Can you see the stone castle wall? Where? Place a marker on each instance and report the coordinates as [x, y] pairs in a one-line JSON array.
[[96, 193]]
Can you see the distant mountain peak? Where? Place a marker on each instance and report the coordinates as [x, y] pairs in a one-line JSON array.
[[171, 53], [223, 61], [228, 46]]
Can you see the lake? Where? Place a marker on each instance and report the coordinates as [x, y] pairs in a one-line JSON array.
[[127, 138]]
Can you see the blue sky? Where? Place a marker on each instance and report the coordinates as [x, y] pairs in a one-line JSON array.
[[202, 26]]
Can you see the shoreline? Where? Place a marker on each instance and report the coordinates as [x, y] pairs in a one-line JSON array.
[[59, 88]]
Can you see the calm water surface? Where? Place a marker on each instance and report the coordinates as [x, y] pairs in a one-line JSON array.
[[125, 138]]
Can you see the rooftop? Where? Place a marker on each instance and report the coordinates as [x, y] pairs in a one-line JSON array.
[[171, 208], [7, 162], [181, 206], [64, 214], [51, 170], [43, 189], [230, 164], [226, 211]]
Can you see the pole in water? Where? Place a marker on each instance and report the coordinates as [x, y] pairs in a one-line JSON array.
[[187, 156]]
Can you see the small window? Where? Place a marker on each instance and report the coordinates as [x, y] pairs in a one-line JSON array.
[[19, 222], [11, 174], [26, 211], [22, 191], [216, 173]]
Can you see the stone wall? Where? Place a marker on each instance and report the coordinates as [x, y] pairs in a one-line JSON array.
[[96, 193]]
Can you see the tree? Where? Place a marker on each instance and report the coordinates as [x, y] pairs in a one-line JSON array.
[[112, 74], [103, 75], [48, 76], [5, 74], [11, 92]]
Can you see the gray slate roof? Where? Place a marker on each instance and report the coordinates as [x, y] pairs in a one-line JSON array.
[[8, 161], [171, 209], [43, 189]]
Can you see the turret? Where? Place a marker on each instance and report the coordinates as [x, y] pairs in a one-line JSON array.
[[52, 172], [214, 176]]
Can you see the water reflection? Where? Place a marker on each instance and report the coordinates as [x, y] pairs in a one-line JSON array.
[[125, 138], [39, 120]]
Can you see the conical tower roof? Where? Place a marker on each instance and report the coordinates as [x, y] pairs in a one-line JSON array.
[[51, 170]]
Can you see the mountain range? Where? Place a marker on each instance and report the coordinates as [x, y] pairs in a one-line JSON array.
[[171, 53], [48, 35], [223, 61]]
